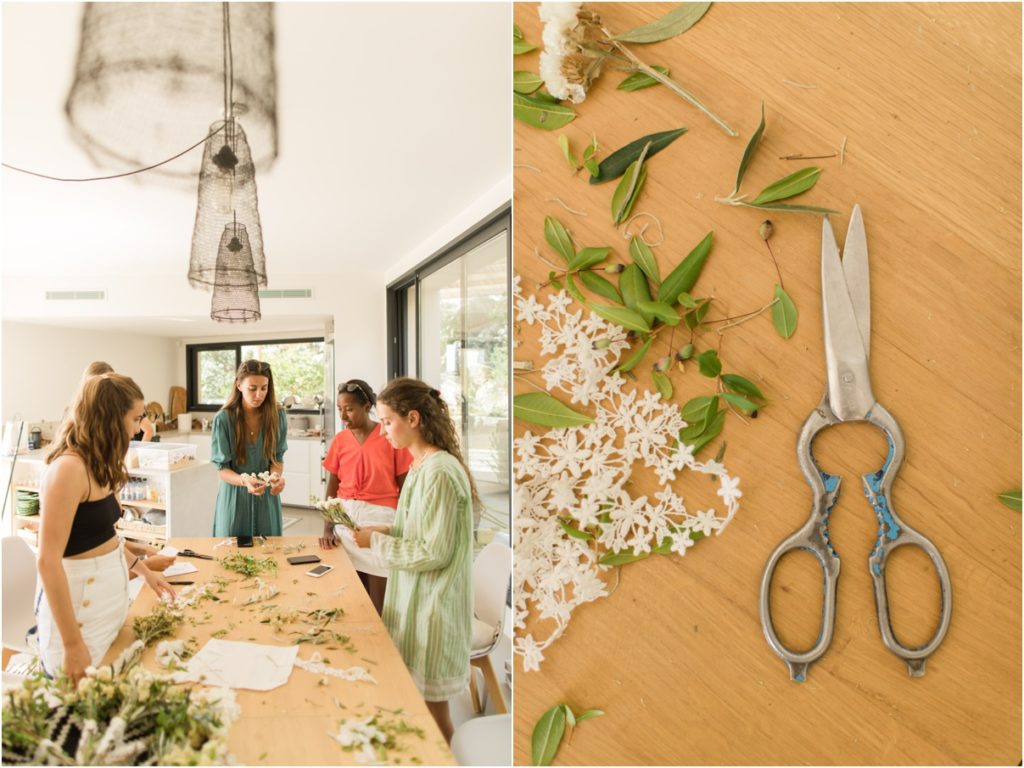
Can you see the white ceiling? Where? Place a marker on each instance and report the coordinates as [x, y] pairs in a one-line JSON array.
[[393, 119]]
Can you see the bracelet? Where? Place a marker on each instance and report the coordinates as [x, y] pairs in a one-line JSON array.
[[134, 563]]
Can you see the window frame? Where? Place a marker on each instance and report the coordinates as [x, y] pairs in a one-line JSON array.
[[192, 368]]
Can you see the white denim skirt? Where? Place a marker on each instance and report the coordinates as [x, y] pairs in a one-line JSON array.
[[363, 514], [99, 596]]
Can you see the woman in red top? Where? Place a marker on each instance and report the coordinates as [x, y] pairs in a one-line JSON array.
[[367, 472]]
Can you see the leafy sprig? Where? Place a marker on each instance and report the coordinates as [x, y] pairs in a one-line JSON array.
[[551, 728]]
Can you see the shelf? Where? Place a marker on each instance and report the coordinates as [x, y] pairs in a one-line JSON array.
[[148, 538], [145, 504]]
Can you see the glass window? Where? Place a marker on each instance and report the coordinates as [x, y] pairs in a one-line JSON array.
[[298, 368], [216, 374]]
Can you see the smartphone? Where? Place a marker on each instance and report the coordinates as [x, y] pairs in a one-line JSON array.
[[303, 559], [244, 541], [319, 571]]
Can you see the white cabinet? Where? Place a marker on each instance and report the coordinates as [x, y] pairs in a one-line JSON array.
[[296, 473], [202, 442]]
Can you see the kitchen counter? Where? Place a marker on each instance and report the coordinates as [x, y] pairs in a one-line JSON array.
[[173, 435]]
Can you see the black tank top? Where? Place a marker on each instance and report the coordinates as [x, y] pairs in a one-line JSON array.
[[93, 524]]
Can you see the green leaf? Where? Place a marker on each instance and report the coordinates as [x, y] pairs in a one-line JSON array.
[[748, 153], [695, 317], [542, 408], [687, 300], [569, 716], [541, 113], [660, 310], [710, 432], [784, 208], [526, 82], [1011, 499], [591, 165], [555, 282], [558, 238], [570, 158], [588, 257], [547, 735], [521, 46], [600, 286], [618, 161], [639, 80], [576, 533], [570, 286], [684, 276], [621, 558], [588, 714], [784, 314], [635, 358], [673, 23], [788, 186], [633, 285], [709, 363], [663, 384], [740, 402], [698, 411], [623, 316], [644, 258], [664, 548], [629, 188], [741, 385]]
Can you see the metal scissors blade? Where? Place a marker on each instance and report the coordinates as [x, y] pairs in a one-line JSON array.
[[846, 312]]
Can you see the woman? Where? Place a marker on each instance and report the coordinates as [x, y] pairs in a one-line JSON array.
[[82, 563], [98, 367], [249, 437], [428, 608], [366, 471]]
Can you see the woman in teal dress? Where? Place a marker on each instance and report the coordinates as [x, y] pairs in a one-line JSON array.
[[428, 605], [249, 437]]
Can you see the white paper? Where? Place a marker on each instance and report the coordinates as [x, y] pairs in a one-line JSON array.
[[134, 587], [233, 664], [179, 569], [169, 551]]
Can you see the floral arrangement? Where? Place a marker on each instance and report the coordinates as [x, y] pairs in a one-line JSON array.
[[247, 565], [117, 715], [333, 511], [266, 478], [372, 738], [160, 622]]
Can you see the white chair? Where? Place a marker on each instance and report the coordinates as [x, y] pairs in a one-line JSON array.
[[19, 591], [484, 741], [492, 571]]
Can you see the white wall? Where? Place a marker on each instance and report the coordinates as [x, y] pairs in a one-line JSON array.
[[43, 364]]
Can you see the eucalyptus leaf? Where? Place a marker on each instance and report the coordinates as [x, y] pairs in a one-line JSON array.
[[541, 113], [629, 188], [526, 82], [684, 276], [588, 257], [660, 310], [786, 208], [663, 384], [1011, 499], [639, 80], [558, 238], [635, 358], [709, 363], [541, 408], [588, 714], [644, 258], [673, 23], [618, 161], [600, 286], [623, 316], [635, 290], [570, 158], [784, 314], [741, 385], [740, 402], [621, 558], [547, 735], [576, 533], [570, 286], [748, 153], [788, 186]]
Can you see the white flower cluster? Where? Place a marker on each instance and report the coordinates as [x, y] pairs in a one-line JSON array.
[[583, 473], [318, 666], [334, 511], [264, 477], [360, 735], [171, 652], [559, 21]]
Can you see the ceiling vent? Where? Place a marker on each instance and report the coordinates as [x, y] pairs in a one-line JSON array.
[[72, 295], [287, 293]]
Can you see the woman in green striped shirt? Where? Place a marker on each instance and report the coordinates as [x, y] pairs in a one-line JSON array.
[[428, 606]]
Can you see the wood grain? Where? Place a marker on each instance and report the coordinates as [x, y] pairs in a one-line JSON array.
[[290, 725], [928, 97]]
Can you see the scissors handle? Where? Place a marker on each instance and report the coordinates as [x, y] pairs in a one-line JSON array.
[[893, 533]]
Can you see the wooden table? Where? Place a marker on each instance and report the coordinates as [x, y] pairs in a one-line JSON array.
[[928, 97], [290, 725]]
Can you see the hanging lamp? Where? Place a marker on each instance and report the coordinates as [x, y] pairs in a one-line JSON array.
[[236, 292]]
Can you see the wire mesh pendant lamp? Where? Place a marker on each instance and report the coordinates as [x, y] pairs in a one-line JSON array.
[[148, 77], [236, 296]]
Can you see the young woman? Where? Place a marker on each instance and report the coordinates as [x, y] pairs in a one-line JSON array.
[[428, 608], [82, 563], [250, 435], [98, 367], [366, 471]]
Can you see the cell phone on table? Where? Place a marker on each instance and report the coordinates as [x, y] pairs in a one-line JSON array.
[[303, 559], [244, 541], [319, 571]]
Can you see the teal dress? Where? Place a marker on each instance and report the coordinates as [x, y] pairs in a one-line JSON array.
[[238, 511]]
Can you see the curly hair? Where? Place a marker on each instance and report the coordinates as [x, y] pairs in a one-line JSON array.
[[406, 394], [95, 430], [269, 411]]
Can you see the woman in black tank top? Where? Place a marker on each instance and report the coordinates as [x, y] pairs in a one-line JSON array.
[[78, 545]]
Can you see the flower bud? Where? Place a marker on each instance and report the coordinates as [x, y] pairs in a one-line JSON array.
[[615, 269], [685, 353], [601, 344], [663, 364], [766, 229]]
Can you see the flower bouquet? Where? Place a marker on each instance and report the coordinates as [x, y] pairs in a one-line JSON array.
[[333, 511]]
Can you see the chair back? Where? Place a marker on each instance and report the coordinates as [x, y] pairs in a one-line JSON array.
[[19, 591], [484, 741], [492, 571]]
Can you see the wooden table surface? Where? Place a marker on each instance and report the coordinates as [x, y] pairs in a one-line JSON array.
[[928, 97], [290, 725]]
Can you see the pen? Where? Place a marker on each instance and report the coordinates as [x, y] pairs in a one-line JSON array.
[[181, 583]]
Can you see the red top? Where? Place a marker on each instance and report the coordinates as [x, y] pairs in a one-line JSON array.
[[368, 471]]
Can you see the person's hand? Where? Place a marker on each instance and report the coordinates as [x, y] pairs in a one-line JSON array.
[[158, 584], [330, 538], [76, 660], [277, 485], [159, 562], [254, 485], [362, 536], [148, 429]]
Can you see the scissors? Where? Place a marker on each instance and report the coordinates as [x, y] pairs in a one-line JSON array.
[[846, 310], [190, 553]]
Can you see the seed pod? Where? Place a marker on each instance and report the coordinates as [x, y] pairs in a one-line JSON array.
[[663, 364], [615, 269], [766, 229], [685, 353]]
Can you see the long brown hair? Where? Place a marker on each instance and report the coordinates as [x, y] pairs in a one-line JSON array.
[[95, 427], [405, 394], [268, 411]]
